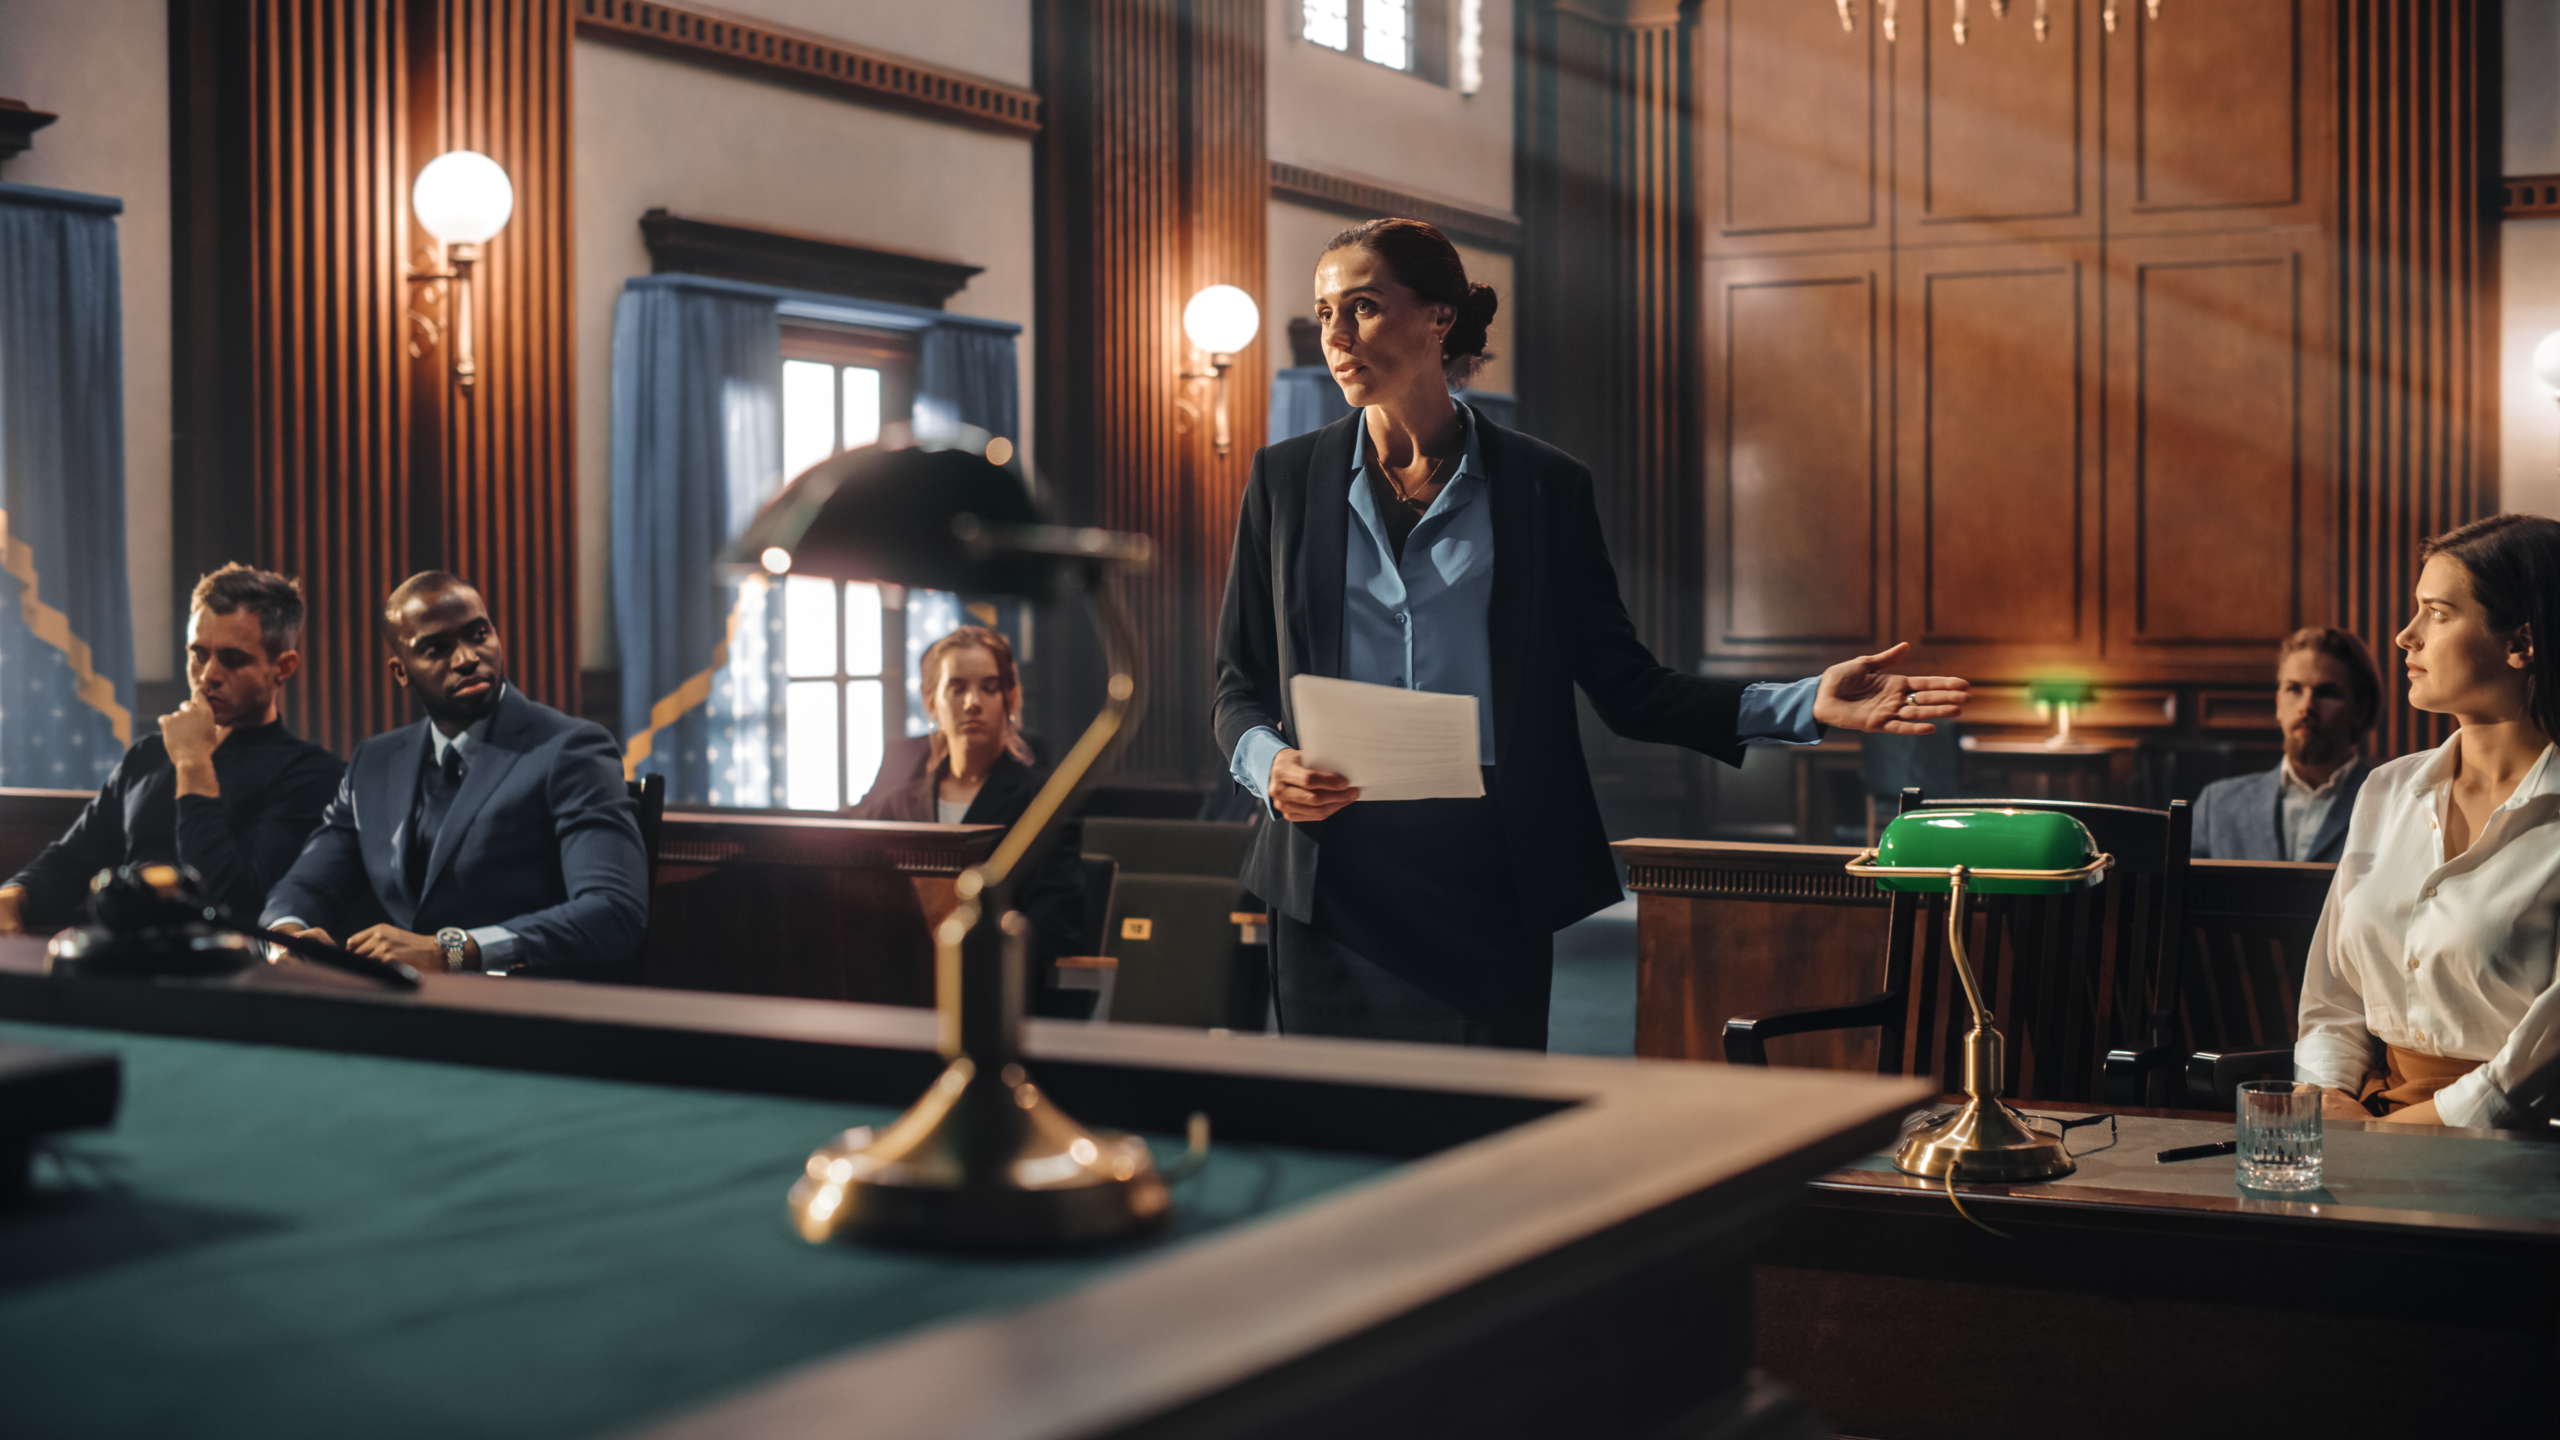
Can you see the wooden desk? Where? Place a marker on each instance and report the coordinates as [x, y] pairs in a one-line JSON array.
[[1514, 1245], [804, 905], [2411, 1296], [1726, 928]]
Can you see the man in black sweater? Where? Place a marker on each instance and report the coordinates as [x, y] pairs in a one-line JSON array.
[[223, 787]]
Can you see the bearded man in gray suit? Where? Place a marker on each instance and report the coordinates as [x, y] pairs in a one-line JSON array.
[[2327, 696]]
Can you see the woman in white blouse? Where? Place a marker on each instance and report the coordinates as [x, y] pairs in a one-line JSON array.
[[2428, 998]]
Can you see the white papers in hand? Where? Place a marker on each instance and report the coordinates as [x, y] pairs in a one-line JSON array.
[[1393, 744]]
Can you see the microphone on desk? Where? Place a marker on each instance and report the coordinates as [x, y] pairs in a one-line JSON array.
[[153, 921]]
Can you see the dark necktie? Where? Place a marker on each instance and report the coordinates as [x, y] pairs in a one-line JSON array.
[[435, 796]]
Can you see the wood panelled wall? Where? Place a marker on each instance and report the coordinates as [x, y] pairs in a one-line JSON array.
[[319, 432], [1153, 183], [2419, 273], [2023, 348], [2117, 354]]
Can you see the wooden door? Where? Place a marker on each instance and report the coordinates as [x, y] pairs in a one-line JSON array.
[[1793, 135], [1796, 351], [1995, 442], [2219, 450], [2220, 116], [1995, 138]]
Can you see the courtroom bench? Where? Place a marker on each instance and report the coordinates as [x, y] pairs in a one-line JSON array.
[[1727, 928]]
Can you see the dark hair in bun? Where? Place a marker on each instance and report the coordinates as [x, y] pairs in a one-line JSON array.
[[1424, 262]]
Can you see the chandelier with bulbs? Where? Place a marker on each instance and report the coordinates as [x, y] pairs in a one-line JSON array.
[[1999, 11]]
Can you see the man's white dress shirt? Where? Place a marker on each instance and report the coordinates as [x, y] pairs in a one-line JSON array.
[[2305, 807], [2442, 957]]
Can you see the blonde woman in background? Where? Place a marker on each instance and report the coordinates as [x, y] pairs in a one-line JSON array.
[[979, 771]]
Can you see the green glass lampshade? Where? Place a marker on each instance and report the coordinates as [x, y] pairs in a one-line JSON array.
[[2061, 692], [1987, 840]]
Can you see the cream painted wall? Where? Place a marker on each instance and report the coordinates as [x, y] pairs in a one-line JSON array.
[[103, 66], [1334, 111], [2529, 266], [1298, 234], [652, 132]]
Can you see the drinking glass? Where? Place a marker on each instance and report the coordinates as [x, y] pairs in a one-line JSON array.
[[2279, 1135]]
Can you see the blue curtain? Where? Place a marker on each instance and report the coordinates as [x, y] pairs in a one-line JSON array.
[[967, 374], [1501, 409], [697, 450], [1304, 398], [66, 614], [697, 447]]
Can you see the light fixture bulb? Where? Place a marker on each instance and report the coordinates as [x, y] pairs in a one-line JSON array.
[[2546, 362], [463, 198], [1221, 319], [777, 561]]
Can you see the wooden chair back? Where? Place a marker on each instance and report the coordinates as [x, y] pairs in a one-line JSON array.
[[2068, 977]]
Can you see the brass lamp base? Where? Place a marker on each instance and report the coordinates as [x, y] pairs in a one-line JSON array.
[[981, 1163], [1985, 1141]]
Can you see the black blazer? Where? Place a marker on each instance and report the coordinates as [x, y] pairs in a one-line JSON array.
[[1051, 897], [543, 839], [1557, 622]]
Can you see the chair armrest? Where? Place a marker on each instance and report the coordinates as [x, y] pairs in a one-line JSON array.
[[1746, 1036], [2124, 1077], [2213, 1080]]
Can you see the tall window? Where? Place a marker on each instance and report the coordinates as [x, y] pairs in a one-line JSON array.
[[1407, 35], [842, 641], [1386, 33]]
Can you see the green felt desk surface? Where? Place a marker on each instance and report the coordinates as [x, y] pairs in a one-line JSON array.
[[278, 1243]]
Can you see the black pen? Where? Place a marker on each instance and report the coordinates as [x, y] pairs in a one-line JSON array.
[[2198, 1152]]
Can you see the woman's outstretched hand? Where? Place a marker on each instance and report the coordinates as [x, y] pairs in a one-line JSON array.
[[1300, 793], [1857, 695]]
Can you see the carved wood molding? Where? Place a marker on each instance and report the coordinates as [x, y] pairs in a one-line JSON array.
[[2529, 197], [760, 50], [684, 244], [1366, 199]]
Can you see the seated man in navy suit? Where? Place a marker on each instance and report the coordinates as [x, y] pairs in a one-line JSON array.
[[2327, 696], [497, 833]]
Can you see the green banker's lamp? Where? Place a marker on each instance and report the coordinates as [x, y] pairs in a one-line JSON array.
[[1957, 853], [984, 1160]]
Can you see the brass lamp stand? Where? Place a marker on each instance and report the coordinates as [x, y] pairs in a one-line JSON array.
[[1985, 1140], [984, 1160]]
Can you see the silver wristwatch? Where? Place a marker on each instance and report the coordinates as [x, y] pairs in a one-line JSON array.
[[455, 942]]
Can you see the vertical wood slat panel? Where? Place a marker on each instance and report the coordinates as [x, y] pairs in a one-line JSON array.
[[508, 511], [326, 279], [355, 460], [2416, 277], [1152, 182], [1608, 207]]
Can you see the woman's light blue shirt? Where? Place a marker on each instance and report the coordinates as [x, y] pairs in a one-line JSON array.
[[1424, 623]]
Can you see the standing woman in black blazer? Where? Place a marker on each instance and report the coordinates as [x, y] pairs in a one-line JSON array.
[[1416, 543]]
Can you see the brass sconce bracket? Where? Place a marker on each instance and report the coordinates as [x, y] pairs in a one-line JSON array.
[[1216, 375], [459, 258]]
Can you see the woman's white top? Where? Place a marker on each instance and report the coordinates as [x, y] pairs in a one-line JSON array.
[[950, 812], [2443, 957]]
